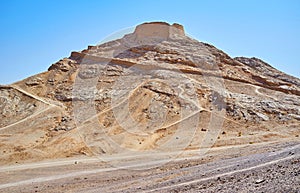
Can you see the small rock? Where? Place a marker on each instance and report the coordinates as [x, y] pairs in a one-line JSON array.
[[291, 153], [34, 81], [63, 65], [262, 116], [259, 181]]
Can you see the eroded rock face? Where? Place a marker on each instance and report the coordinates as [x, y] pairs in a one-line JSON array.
[[267, 70], [63, 65], [15, 106], [34, 82]]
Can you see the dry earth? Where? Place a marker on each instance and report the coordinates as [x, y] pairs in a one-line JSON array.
[[272, 167], [185, 114]]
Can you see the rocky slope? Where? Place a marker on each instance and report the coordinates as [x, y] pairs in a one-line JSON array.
[[153, 90]]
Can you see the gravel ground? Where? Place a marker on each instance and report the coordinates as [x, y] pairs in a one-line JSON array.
[[273, 168], [282, 177]]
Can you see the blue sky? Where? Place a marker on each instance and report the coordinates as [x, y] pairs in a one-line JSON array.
[[35, 33]]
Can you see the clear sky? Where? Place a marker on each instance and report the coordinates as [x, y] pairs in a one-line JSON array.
[[37, 33]]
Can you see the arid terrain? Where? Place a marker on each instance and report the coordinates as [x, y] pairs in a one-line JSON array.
[[154, 111]]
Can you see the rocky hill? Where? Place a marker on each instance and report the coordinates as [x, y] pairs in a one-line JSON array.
[[153, 90]]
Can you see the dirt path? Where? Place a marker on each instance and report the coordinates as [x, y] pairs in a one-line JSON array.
[[175, 179], [191, 154], [26, 118], [172, 176], [50, 105], [33, 96]]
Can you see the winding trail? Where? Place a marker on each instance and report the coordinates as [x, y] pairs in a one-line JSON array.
[[37, 97], [50, 105], [27, 118]]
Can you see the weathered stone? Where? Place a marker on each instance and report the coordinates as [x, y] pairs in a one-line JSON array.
[[34, 81], [63, 65]]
